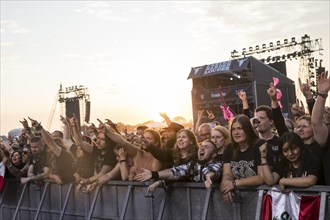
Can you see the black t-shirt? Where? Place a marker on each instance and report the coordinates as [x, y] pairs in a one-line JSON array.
[[311, 166], [85, 165], [39, 162], [101, 159], [273, 145], [64, 166], [245, 164], [326, 162]]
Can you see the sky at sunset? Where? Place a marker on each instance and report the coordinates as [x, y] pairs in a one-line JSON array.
[[134, 56]]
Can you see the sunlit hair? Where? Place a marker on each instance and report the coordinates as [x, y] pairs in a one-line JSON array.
[[304, 117], [266, 109], [292, 140], [225, 132], [156, 135], [251, 136], [204, 125], [192, 149]]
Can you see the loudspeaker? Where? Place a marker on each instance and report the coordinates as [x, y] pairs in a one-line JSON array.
[[88, 111]]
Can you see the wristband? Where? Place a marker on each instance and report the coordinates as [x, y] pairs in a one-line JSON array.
[[234, 184], [122, 161], [154, 175], [264, 164], [323, 95]]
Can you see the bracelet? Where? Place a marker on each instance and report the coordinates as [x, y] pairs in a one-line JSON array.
[[323, 95], [122, 161], [234, 184], [154, 175], [264, 164], [263, 157]]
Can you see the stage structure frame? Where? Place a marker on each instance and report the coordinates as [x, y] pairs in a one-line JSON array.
[[72, 100], [279, 53]]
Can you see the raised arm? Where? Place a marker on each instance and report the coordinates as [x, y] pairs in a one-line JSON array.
[[277, 113], [305, 89], [78, 137], [166, 118], [46, 136], [199, 120], [320, 129], [66, 133]]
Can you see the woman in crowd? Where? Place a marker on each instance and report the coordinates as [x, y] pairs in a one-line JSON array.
[[15, 167], [296, 168], [221, 137], [242, 167], [185, 151]]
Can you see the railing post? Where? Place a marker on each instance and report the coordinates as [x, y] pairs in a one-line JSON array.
[[206, 203], [42, 200], [20, 201], [237, 205], [128, 194], [94, 202], [323, 203], [259, 204], [66, 201]]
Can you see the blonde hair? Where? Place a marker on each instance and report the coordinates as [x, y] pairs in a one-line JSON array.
[[225, 132]]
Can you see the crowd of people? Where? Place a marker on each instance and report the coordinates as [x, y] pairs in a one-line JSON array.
[[257, 147]]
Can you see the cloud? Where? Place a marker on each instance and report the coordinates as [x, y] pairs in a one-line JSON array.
[[102, 10], [11, 26], [7, 43]]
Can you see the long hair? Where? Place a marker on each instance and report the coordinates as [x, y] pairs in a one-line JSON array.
[[251, 137], [291, 138], [156, 135], [192, 149]]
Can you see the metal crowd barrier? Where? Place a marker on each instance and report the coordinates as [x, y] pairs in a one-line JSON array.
[[130, 200]]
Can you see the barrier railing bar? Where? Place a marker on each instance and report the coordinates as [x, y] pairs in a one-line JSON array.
[[94, 202], [322, 205], [42, 200], [189, 204], [19, 202], [66, 201], [128, 194], [259, 204], [236, 205], [206, 203], [162, 207]]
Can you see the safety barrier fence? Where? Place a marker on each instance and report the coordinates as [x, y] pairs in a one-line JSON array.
[[130, 200]]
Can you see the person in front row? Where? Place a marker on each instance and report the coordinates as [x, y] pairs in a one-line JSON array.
[[205, 169], [242, 167], [297, 166]]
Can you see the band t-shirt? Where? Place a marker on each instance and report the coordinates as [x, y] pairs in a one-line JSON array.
[[245, 164], [101, 159]]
